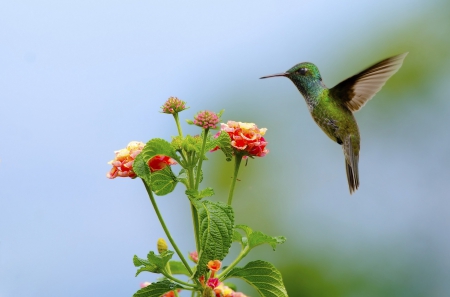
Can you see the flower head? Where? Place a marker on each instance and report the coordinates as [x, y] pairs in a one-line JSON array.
[[206, 119], [123, 162], [214, 265], [173, 105], [159, 162], [221, 290], [213, 282], [193, 256], [246, 138]]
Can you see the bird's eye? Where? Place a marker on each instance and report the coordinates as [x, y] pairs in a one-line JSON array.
[[302, 71]]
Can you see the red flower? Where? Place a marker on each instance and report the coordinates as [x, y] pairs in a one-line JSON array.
[[246, 138], [159, 162]]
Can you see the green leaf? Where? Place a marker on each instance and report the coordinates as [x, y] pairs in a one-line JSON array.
[[216, 232], [208, 192], [190, 122], [157, 289], [154, 263], [146, 265], [192, 144], [263, 276], [141, 168], [163, 181], [256, 238], [177, 267], [224, 142], [158, 146], [161, 260], [237, 237]]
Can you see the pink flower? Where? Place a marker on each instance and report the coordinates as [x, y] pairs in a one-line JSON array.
[[145, 284], [206, 119], [193, 256], [213, 282], [246, 138], [159, 162], [173, 105], [123, 162]]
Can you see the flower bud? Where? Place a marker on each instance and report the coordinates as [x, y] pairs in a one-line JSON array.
[[173, 105], [161, 245], [206, 119]]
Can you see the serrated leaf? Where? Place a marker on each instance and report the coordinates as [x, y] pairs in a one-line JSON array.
[[256, 238], [177, 267], [154, 263], [263, 276], [224, 142], [158, 146], [146, 265], [157, 289], [161, 260], [163, 181], [216, 232], [141, 168], [208, 192]]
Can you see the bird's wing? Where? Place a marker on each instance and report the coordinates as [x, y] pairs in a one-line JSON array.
[[355, 91]]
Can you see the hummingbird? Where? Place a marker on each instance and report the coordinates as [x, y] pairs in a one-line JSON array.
[[332, 108]]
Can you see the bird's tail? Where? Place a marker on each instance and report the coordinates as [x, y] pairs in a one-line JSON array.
[[351, 165]]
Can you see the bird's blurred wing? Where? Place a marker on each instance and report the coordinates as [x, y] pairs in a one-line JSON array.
[[355, 91]]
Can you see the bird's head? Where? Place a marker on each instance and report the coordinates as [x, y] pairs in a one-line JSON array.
[[304, 75]]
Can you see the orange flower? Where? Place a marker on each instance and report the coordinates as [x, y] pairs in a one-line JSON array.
[[246, 138], [123, 162], [159, 162], [214, 265]]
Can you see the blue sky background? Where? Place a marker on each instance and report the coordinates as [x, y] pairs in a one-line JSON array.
[[80, 80]]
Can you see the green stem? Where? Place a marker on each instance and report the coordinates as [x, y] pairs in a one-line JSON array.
[[163, 224], [200, 161], [178, 281], [196, 227], [237, 163], [177, 120], [224, 273]]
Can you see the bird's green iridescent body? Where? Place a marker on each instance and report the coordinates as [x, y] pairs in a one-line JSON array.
[[332, 109]]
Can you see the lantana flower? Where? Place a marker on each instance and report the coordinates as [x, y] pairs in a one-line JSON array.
[[159, 162], [224, 291], [193, 256], [206, 119], [123, 162], [173, 105], [213, 282], [246, 138]]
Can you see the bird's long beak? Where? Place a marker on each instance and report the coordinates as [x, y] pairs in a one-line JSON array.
[[274, 75]]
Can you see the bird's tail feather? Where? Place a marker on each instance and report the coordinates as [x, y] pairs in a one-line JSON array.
[[351, 165]]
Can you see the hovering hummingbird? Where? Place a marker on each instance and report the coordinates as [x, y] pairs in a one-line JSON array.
[[332, 109]]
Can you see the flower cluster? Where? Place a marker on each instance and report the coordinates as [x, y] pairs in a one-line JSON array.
[[173, 105], [206, 119], [224, 291], [123, 162], [246, 138], [219, 288]]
